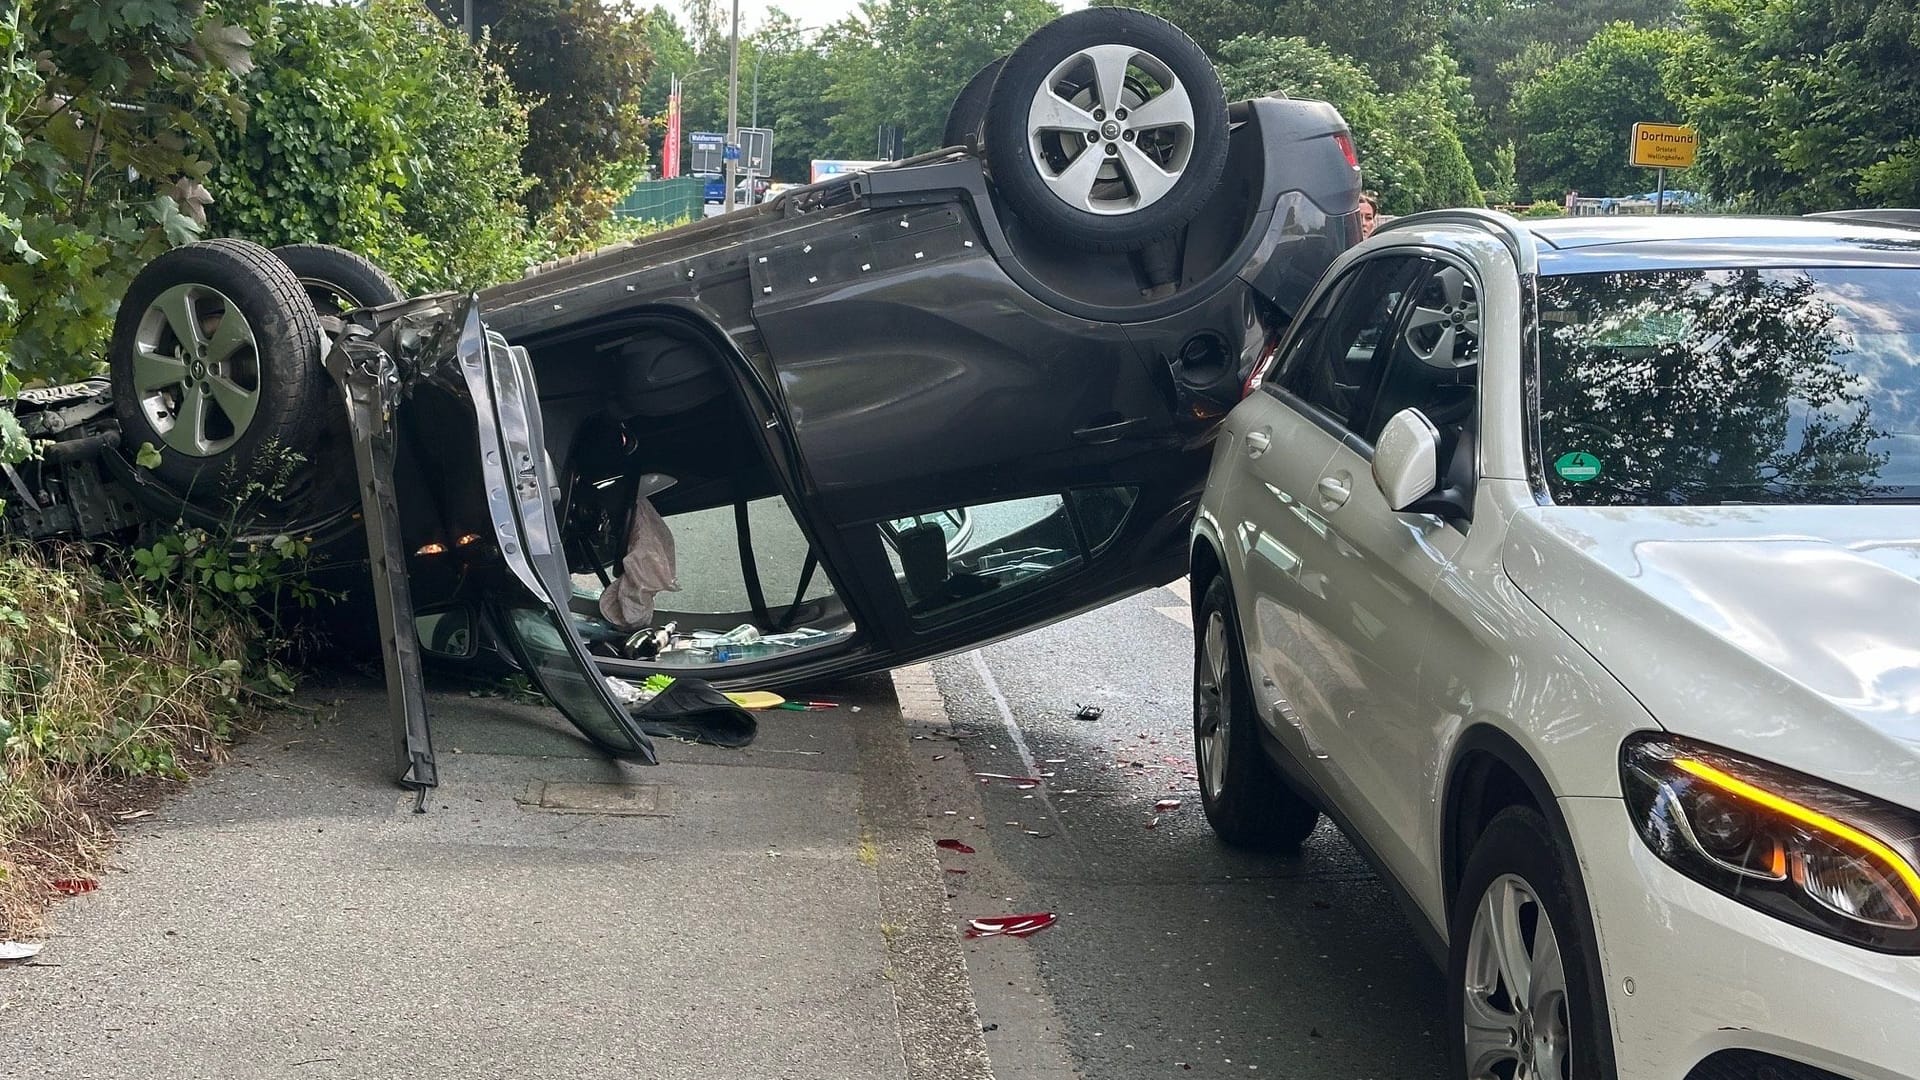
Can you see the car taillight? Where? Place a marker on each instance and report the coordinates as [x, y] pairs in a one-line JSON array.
[[1268, 353], [1346, 147]]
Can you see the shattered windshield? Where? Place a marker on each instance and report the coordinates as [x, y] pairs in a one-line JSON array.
[[1704, 387]]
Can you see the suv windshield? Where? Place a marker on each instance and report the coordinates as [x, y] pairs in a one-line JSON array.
[[1703, 387]]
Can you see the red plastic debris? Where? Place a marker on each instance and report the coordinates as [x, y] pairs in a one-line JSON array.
[[953, 845], [1011, 925], [1164, 805], [74, 886]]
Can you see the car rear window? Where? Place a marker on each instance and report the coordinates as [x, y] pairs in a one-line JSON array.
[[1712, 386]]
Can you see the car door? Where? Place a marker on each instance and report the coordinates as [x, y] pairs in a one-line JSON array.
[[1370, 624], [472, 424], [1290, 563], [919, 384]]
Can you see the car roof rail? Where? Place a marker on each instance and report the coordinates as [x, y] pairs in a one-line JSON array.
[[1891, 217], [1518, 239]]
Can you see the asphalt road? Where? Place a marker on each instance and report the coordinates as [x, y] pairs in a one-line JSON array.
[[1175, 956]]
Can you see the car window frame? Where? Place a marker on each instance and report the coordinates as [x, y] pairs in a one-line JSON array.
[[1436, 260], [1312, 328]]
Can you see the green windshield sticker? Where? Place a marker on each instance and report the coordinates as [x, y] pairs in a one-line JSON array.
[[1577, 467]]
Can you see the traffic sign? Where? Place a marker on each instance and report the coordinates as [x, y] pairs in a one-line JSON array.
[[708, 147], [756, 150], [1663, 146]]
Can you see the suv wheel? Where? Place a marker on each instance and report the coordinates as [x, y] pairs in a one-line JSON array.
[[1524, 996], [1107, 129], [1246, 799], [216, 362], [338, 280]]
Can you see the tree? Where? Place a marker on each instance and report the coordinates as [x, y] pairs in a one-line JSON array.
[[1804, 104], [380, 129], [1409, 148], [1488, 35], [1576, 116], [902, 62], [1388, 39], [582, 65], [796, 82]]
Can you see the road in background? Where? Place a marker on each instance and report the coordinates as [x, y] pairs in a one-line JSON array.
[[1175, 956]]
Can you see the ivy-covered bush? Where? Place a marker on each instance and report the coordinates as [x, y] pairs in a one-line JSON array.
[[380, 129]]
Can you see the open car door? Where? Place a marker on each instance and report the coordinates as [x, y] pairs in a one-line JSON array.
[[471, 423]]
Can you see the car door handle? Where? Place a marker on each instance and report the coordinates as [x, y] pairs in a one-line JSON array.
[[1334, 492], [1258, 441], [1106, 433]]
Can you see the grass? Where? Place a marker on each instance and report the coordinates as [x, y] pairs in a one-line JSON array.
[[111, 682]]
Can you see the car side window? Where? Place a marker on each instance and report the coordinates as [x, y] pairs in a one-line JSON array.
[[1336, 364], [1433, 361]]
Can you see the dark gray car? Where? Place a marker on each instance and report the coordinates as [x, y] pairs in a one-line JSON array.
[[874, 420]]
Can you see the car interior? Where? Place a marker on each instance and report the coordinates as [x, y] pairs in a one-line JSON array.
[[647, 412]]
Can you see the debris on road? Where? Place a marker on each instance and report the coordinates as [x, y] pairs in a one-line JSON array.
[[1024, 783], [20, 950], [1089, 713], [1011, 925], [74, 886], [1166, 805], [954, 845]]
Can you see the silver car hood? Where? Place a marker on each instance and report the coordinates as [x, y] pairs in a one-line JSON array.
[[1789, 633]]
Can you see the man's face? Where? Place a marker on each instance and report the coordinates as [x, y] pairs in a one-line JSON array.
[[1367, 215]]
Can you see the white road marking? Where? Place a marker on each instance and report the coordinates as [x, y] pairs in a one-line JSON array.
[[1184, 613]]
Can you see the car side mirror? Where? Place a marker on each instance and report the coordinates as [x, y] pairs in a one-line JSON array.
[[449, 633], [1406, 459]]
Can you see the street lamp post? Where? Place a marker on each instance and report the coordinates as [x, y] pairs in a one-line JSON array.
[[733, 108]]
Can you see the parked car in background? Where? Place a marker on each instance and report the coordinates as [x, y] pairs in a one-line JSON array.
[[903, 411], [1571, 567]]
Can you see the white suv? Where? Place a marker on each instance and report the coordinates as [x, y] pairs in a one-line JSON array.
[[1573, 569]]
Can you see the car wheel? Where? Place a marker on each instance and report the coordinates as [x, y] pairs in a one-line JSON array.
[[970, 108], [216, 363], [338, 280], [1107, 129], [1246, 799], [1524, 997]]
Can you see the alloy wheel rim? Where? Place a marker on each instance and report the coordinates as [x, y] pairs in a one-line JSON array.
[[196, 370], [1434, 334], [1111, 129], [1210, 707], [1516, 1021]]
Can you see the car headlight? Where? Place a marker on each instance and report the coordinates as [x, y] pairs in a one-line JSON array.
[[1819, 856]]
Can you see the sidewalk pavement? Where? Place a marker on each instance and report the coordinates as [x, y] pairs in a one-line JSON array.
[[759, 913]]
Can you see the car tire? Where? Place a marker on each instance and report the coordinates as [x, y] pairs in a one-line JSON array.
[[1246, 799], [338, 280], [1150, 173], [1519, 879], [228, 411], [970, 108]]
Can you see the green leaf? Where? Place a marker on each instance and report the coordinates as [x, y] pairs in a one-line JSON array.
[[147, 457], [229, 46]]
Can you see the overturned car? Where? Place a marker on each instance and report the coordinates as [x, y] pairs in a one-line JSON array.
[[880, 418]]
